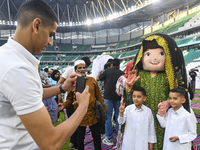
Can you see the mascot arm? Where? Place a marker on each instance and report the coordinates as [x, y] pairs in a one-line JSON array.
[[132, 78], [163, 106]]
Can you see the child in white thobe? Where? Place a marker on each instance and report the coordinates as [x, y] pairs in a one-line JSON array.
[[139, 133], [179, 124]]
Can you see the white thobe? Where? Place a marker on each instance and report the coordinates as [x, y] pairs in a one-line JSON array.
[[98, 64], [178, 123], [139, 128]]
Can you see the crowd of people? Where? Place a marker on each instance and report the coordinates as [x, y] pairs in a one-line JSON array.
[[149, 100]]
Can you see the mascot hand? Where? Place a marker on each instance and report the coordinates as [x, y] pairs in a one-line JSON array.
[[131, 79], [163, 106]]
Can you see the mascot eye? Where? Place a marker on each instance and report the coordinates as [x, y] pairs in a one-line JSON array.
[[162, 54], [148, 54]]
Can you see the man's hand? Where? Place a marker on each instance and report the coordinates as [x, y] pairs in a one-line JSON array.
[[173, 139], [60, 106], [122, 109], [131, 79], [70, 83], [83, 99], [150, 146]]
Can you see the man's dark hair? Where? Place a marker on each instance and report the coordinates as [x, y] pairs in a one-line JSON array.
[[75, 67], [86, 60], [108, 64], [140, 89], [178, 90], [36, 9], [116, 62], [110, 60], [46, 70]]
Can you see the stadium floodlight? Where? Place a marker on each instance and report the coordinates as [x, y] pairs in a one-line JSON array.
[[132, 8], [110, 17], [89, 22], [120, 13], [70, 23], [100, 20], [97, 20], [115, 15], [154, 1], [16, 23]]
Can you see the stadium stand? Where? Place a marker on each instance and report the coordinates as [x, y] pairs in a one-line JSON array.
[[184, 41], [191, 23], [174, 27]]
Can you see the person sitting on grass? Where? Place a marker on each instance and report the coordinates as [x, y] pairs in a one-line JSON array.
[[139, 130]]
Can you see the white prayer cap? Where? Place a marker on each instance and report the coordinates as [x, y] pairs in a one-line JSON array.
[[79, 62]]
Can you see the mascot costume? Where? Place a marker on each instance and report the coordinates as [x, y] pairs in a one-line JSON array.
[[160, 67]]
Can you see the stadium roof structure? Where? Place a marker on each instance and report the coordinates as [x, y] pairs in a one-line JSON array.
[[77, 15]]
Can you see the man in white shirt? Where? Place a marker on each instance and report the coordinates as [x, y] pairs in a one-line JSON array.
[[24, 121], [179, 124]]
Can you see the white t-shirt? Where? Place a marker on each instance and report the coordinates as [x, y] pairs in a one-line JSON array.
[[139, 128], [179, 123], [20, 93], [70, 70]]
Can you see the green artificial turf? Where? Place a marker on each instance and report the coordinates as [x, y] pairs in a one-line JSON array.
[[197, 111], [193, 101], [197, 91]]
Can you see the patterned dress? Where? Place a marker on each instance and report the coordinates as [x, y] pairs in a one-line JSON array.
[[157, 89], [127, 99]]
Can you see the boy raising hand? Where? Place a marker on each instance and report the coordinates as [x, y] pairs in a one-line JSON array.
[[122, 109], [139, 130]]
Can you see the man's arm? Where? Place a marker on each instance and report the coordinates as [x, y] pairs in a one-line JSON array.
[[46, 86], [99, 75], [69, 85], [60, 81], [45, 134]]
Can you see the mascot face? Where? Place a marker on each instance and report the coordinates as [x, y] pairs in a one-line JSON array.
[[154, 60]]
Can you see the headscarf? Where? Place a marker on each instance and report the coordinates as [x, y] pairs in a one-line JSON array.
[[174, 63], [53, 75], [128, 68]]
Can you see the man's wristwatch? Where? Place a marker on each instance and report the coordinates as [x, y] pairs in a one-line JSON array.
[[61, 90]]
